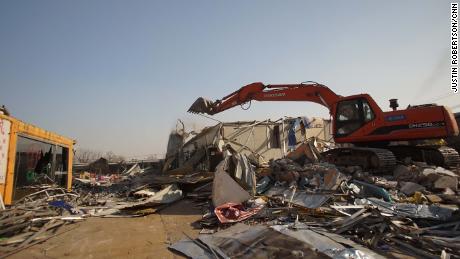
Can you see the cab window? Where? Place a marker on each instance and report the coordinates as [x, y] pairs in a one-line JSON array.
[[352, 115], [348, 110]]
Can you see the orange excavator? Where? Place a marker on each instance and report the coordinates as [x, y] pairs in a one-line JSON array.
[[376, 135]]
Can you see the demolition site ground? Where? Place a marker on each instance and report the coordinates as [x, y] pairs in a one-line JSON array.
[[140, 237]]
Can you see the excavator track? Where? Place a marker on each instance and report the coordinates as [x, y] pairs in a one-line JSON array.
[[434, 155], [451, 156], [376, 160]]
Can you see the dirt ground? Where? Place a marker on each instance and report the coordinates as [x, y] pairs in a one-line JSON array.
[[143, 237]]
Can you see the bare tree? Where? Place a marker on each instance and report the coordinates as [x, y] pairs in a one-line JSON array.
[[112, 157], [84, 155]]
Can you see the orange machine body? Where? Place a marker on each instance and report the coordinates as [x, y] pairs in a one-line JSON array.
[[368, 124]]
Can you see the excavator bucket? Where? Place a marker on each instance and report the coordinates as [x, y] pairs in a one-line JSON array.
[[201, 105]]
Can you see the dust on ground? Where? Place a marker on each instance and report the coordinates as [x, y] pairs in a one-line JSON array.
[[141, 237]]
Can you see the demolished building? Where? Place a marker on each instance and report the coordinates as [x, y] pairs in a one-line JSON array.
[[261, 141], [259, 180]]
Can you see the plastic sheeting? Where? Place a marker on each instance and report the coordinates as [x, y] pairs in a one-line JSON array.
[[232, 212]]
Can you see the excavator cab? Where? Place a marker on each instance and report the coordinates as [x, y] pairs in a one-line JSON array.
[[352, 115]]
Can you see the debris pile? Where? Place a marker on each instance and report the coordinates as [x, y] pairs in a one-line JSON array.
[[296, 206], [137, 194], [36, 217], [310, 208]]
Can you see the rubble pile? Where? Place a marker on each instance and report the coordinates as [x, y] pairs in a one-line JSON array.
[[36, 217], [297, 206], [137, 194], [316, 209]]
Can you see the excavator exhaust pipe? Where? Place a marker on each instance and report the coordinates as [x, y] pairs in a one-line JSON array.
[[201, 105]]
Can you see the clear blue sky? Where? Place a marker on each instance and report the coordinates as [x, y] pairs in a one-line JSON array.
[[115, 75]]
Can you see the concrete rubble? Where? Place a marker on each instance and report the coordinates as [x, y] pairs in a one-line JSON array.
[[338, 212], [361, 215], [296, 205]]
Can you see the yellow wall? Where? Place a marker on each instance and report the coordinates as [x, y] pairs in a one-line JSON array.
[[34, 132]]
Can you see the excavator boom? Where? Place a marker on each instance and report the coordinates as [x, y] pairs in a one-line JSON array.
[[312, 92]]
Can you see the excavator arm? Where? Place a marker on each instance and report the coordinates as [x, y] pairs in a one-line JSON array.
[[357, 119], [312, 92]]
